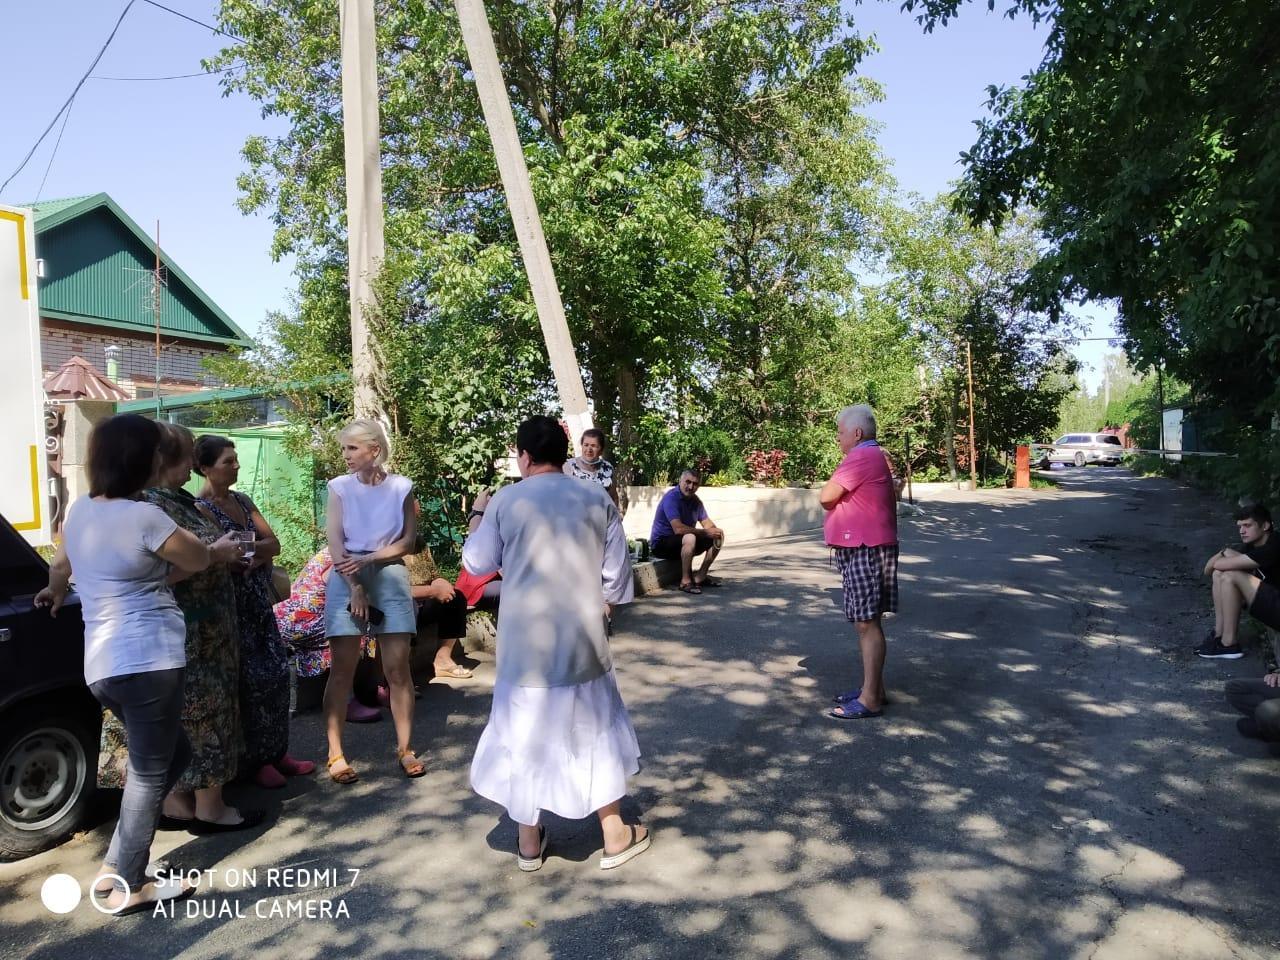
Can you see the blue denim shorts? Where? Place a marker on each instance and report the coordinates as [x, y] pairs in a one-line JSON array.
[[386, 586]]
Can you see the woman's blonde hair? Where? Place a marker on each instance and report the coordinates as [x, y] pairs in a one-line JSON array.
[[368, 432]]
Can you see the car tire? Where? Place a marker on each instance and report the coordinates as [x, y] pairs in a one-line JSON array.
[[1079, 460], [48, 777]]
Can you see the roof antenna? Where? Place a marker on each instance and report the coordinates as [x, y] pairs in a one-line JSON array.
[[158, 278]]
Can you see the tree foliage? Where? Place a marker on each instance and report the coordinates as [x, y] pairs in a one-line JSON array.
[[701, 170], [964, 291], [710, 193], [1149, 140]]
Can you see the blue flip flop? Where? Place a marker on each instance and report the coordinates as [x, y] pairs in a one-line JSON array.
[[853, 710], [850, 695]]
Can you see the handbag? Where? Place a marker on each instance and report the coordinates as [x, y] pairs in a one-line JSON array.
[[280, 584]]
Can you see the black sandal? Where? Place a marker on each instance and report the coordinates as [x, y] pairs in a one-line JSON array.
[[690, 588]]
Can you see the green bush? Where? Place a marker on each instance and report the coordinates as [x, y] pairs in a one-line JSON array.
[[661, 455]]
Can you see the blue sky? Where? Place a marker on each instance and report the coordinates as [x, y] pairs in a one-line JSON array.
[[169, 150]]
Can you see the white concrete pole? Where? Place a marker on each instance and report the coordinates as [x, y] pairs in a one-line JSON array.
[[361, 148], [524, 212]]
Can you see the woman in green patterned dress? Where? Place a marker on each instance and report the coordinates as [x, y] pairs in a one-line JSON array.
[[210, 711]]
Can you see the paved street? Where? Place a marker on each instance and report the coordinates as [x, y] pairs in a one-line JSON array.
[[1057, 776]]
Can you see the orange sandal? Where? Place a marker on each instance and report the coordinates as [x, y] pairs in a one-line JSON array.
[[345, 775], [415, 767]]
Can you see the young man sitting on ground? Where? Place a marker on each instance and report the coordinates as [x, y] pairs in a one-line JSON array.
[[1239, 576], [1259, 701]]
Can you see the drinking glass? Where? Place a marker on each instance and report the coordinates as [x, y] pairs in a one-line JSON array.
[[246, 540]]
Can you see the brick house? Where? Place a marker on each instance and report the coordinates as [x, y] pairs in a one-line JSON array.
[[93, 264]]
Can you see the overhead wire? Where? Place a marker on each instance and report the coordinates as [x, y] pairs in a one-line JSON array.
[[57, 143], [65, 110], [66, 106], [201, 23], [176, 76]]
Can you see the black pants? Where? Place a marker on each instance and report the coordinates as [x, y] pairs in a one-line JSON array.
[[1254, 698], [491, 597], [668, 548], [450, 618]]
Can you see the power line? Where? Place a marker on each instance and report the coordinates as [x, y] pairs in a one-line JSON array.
[[201, 23], [67, 105], [56, 144], [176, 76]]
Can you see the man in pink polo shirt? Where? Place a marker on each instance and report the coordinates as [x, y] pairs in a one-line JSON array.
[[862, 529]]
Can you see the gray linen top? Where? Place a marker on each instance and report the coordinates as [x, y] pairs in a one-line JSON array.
[[563, 555]]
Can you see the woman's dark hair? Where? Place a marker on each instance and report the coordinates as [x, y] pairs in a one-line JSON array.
[[175, 441], [594, 432], [208, 449], [1255, 512], [122, 454], [544, 440]]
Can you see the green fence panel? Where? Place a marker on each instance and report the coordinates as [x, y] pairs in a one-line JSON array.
[[281, 485]]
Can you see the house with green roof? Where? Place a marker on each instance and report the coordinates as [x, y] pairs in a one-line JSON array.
[[94, 267]]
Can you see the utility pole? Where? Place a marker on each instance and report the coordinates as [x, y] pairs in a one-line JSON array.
[[362, 155], [973, 449], [1160, 403], [156, 284], [496, 105]]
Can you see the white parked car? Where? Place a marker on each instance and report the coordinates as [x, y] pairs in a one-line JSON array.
[[1084, 448]]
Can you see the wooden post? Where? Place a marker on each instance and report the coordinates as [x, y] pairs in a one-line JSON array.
[[1022, 466], [1160, 404], [362, 155], [973, 449], [907, 441], [514, 172]]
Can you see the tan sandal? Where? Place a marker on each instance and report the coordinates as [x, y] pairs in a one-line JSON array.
[[415, 767], [346, 775]]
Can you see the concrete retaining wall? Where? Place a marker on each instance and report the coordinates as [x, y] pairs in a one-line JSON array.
[[744, 513]]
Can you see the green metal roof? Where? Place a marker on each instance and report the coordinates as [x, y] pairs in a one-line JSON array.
[[95, 264], [48, 208], [175, 401]]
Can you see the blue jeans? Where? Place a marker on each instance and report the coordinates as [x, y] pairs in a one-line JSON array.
[[150, 707]]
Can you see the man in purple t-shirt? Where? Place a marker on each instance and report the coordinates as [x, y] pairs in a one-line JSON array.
[[861, 527], [675, 533]]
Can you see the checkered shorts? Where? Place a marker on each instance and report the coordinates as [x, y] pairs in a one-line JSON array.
[[870, 576]]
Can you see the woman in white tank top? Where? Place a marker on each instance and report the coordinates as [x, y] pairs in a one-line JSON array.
[[371, 528]]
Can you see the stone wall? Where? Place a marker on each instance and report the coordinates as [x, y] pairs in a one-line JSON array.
[[744, 513]]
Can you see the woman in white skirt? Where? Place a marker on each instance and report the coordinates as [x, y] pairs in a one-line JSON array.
[[559, 738], [371, 528]]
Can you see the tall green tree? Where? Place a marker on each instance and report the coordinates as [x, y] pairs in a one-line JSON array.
[[963, 290], [1149, 140], [634, 117]]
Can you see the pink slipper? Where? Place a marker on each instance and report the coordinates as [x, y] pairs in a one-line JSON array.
[[295, 768], [357, 712], [269, 777]]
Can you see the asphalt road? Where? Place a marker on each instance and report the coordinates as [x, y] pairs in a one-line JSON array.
[[1057, 777]]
